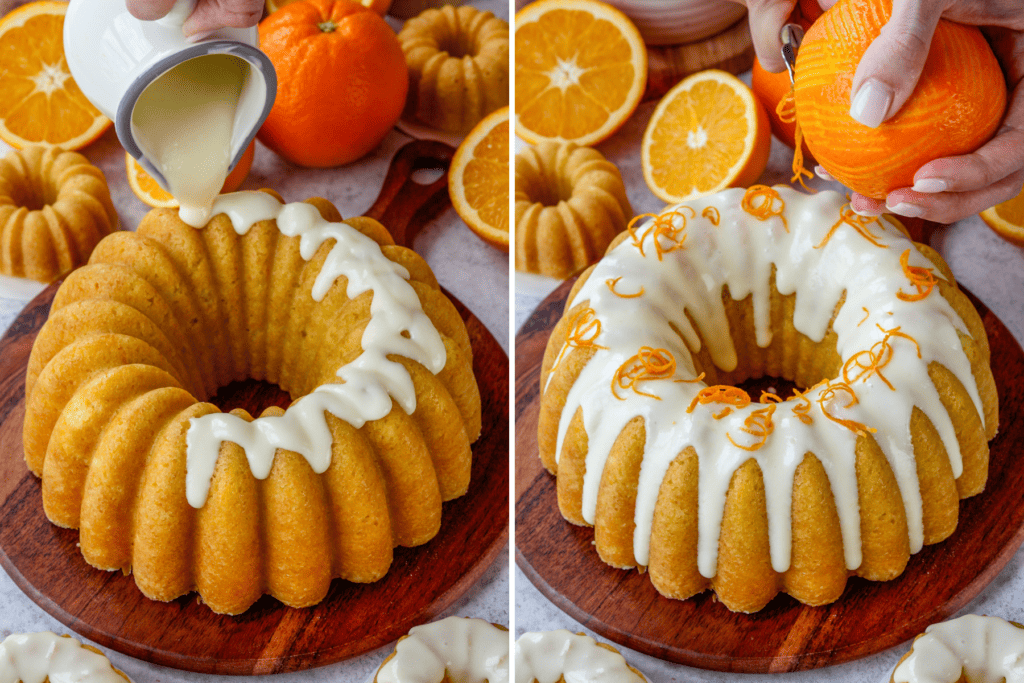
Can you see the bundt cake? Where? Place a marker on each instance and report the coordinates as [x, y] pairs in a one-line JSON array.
[[54, 208], [452, 650], [561, 656], [570, 204], [971, 649], [356, 329], [458, 66], [683, 473], [37, 657]]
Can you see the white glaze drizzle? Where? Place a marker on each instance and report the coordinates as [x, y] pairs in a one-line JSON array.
[[739, 254], [468, 650], [34, 657], [369, 383], [547, 656], [987, 649]]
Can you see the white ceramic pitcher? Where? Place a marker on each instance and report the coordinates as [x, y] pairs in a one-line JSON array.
[[113, 57]]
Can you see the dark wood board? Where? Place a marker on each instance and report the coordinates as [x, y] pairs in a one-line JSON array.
[[44, 560], [731, 50], [623, 606]]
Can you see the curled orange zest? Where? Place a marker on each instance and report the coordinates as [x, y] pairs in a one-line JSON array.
[[768, 397], [923, 279], [866, 314], [759, 202], [786, 109], [711, 213], [870, 362], [758, 424], [638, 242], [648, 364], [802, 410], [611, 282], [698, 378], [667, 236], [584, 328], [720, 393], [895, 332], [852, 425], [859, 223]]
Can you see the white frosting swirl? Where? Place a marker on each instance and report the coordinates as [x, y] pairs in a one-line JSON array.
[[468, 650], [986, 649], [547, 656], [34, 657]]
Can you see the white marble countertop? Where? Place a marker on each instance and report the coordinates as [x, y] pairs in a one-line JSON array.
[[472, 271], [991, 268]]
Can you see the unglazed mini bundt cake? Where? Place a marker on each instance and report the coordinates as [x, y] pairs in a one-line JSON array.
[[564, 657], [54, 208], [356, 329], [683, 473], [452, 650], [570, 204], [38, 657], [458, 66], [970, 649]]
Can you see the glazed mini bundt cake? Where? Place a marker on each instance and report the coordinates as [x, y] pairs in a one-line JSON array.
[[458, 66], [451, 650], [356, 329], [570, 205], [564, 657], [970, 649], [707, 487], [37, 657], [54, 208]]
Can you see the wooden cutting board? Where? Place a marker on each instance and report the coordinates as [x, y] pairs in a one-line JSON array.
[[623, 606], [44, 561], [731, 50]]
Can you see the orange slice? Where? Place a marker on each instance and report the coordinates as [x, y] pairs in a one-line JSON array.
[[147, 189], [708, 133], [1007, 219], [40, 104], [581, 68], [381, 7], [478, 179]]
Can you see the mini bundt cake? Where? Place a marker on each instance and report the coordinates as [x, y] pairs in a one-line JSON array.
[[451, 650], [683, 473], [970, 649], [36, 657], [570, 205], [356, 329], [561, 657], [458, 66], [54, 208]]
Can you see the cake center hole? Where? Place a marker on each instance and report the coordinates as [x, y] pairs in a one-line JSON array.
[[253, 395]]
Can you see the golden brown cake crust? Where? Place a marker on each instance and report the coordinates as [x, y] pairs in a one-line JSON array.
[[54, 208]]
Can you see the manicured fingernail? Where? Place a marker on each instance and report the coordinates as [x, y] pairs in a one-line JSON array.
[[906, 209], [871, 103], [929, 185], [822, 173], [866, 212]]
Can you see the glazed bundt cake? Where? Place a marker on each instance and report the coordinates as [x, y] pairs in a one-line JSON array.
[[683, 473], [34, 657], [451, 650], [458, 66], [970, 649], [54, 208], [356, 329], [570, 204], [561, 657]]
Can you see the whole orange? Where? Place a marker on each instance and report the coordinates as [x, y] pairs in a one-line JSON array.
[[342, 81], [769, 89], [955, 108]]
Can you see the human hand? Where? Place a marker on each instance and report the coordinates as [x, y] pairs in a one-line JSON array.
[[209, 15]]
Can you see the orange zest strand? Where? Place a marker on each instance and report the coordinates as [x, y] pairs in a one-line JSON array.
[[719, 416], [768, 397], [895, 332], [923, 279], [638, 242], [758, 424], [649, 363], [786, 109], [698, 378], [877, 357], [866, 314], [584, 328], [855, 221], [854, 426], [802, 410], [611, 282], [760, 202], [667, 236], [720, 393], [711, 213]]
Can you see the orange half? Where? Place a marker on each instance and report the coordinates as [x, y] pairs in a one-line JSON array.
[[1007, 219], [478, 179]]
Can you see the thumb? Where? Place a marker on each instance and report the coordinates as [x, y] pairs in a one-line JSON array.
[[892, 64], [767, 18]]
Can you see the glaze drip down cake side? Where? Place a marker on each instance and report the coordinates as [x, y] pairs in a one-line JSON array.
[[376, 358], [683, 473]]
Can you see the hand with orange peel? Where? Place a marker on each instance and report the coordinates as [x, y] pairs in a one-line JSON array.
[[209, 15], [948, 189]]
